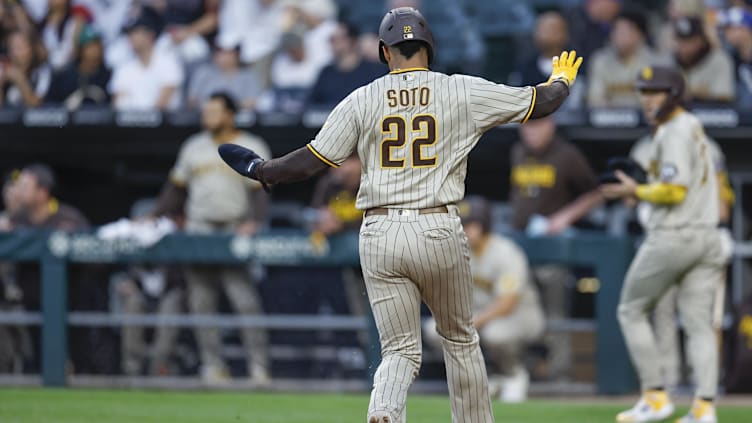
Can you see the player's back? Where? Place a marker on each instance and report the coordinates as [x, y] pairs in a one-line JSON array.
[[416, 129]]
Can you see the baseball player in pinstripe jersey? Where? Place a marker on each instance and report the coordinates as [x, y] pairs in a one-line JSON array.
[[413, 130], [682, 248], [664, 315]]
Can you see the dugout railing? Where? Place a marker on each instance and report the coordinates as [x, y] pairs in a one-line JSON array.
[[608, 256]]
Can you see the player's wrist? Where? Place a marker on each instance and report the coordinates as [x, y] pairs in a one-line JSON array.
[[252, 169]]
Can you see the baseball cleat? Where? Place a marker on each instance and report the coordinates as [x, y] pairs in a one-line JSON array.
[[376, 419], [701, 412], [653, 406]]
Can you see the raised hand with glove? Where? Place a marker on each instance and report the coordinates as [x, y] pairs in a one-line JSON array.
[[550, 95], [565, 68]]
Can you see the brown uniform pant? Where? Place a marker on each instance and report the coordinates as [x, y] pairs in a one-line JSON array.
[[407, 257]]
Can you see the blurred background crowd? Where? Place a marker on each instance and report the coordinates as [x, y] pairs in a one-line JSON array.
[[292, 54], [220, 58]]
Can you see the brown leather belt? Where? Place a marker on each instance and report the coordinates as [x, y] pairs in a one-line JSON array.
[[383, 211]]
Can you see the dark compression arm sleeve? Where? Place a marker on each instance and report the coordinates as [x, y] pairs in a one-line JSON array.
[[549, 98], [296, 166]]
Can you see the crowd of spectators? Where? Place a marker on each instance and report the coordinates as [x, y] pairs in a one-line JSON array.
[[287, 55]]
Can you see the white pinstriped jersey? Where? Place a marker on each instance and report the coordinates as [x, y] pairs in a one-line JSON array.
[[413, 130]]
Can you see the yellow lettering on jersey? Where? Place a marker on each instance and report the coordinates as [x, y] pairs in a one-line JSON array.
[[534, 175]]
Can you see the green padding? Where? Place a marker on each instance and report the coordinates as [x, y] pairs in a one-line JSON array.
[[609, 257]]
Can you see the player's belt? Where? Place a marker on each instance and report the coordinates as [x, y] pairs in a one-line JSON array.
[[383, 211]]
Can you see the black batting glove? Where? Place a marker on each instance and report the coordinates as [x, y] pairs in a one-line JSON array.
[[242, 160]]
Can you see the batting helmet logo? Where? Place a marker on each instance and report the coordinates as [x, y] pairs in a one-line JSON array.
[[647, 73]]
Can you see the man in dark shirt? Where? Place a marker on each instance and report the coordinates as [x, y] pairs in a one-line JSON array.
[[552, 188], [550, 178], [85, 80], [37, 208], [348, 71]]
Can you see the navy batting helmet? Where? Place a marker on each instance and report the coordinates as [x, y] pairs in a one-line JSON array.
[[404, 24]]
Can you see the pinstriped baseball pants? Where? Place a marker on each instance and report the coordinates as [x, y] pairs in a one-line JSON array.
[[406, 258]]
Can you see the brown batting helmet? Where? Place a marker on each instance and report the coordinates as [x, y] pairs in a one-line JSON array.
[[404, 24], [663, 78], [477, 209]]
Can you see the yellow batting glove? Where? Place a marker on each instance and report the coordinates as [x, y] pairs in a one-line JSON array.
[[565, 67]]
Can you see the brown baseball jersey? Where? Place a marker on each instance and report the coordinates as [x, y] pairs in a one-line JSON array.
[[413, 130]]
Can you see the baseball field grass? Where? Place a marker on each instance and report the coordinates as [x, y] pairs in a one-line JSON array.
[[109, 406]]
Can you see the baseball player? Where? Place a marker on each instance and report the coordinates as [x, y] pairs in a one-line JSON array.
[[664, 315], [506, 310], [413, 130], [681, 247]]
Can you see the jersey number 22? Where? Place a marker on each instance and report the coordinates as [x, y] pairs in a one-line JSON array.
[[423, 134]]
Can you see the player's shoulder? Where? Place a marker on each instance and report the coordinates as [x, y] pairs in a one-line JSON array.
[[197, 140], [685, 121]]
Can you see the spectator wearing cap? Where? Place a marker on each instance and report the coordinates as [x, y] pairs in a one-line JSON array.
[[225, 74], [25, 77], [151, 80], [60, 31], [612, 69], [38, 208], [665, 40], [85, 80], [347, 72], [591, 25], [737, 31], [709, 70]]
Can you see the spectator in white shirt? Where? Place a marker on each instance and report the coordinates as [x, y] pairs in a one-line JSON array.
[[24, 78], [293, 73], [257, 24], [315, 20], [151, 80], [225, 74], [60, 30]]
